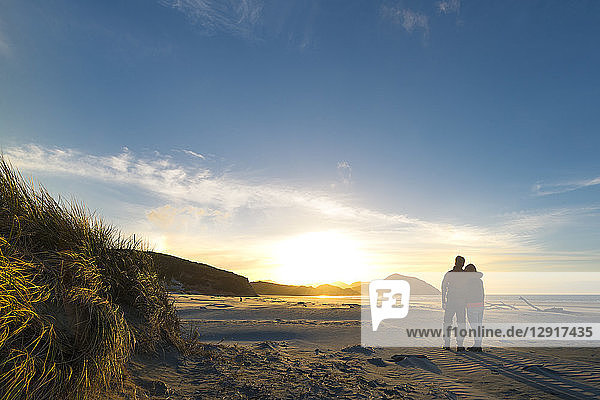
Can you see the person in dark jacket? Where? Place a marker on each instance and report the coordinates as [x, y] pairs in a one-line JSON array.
[[474, 293], [453, 302]]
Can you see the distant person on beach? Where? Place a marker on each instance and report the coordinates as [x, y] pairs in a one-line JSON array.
[[454, 302], [474, 301]]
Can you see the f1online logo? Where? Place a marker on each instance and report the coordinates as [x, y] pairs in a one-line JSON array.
[[388, 299]]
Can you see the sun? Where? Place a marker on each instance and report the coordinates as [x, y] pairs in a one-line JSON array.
[[318, 257]]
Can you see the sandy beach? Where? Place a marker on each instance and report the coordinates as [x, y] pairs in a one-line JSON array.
[[308, 348], [252, 199]]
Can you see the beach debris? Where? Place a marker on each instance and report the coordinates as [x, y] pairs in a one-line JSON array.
[[267, 345], [536, 308], [358, 349], [501, 306], [551, 309]]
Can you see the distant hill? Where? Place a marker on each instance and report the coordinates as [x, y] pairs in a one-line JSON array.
[[193, 277], [197, 278], [269, 288], [417, 286], [341, 284]]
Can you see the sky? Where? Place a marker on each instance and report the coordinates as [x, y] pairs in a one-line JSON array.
[[316, 141]]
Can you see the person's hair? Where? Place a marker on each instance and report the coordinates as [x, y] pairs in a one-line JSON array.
[[470, 268], [459, 260]]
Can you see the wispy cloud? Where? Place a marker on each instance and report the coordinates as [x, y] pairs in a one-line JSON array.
[[168, 216], [292, 23], [527, 224], [194, 154], [162, 175], [410, 20], [345, 172], [546, 189], [193, 209], [235, 17], [413, 21], [448, 6], [203, 187]]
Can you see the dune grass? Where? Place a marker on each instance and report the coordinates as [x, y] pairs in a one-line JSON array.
[[76, 297]]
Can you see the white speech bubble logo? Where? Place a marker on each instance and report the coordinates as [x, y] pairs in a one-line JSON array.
[[388, 299]]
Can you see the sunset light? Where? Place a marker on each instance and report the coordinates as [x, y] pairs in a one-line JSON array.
[[319, 257], [251, 199]]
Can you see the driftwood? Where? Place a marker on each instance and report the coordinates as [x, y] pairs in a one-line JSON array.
[[551, 309], [501, 306], [536, 308]]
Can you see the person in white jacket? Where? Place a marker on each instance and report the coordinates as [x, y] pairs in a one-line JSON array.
[[453, 302], [474, 301]]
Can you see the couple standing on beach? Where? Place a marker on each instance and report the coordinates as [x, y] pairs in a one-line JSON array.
[[462, 296]]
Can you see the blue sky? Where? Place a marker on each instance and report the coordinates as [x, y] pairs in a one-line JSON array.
[[400, 132]]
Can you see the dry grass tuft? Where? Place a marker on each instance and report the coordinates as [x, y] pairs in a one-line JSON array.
[[76, 298]]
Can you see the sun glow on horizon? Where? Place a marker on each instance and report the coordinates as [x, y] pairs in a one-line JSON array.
[[319, 257]]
